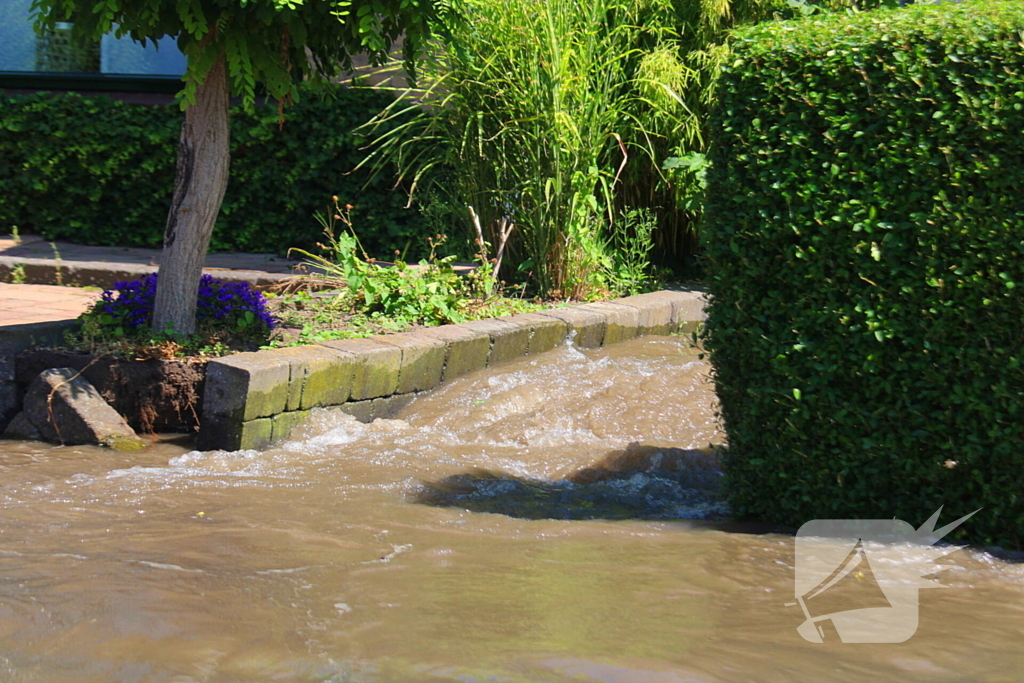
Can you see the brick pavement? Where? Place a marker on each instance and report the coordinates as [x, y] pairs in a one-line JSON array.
[[21, 304], [36, 302]]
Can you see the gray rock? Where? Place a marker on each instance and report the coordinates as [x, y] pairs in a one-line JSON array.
[[67, 409], [22, 428]]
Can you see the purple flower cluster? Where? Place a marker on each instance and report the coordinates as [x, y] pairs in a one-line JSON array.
[[220, 302], [129, 303], [220, 299]]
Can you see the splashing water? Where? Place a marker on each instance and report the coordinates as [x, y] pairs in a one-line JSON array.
[[528, 523]]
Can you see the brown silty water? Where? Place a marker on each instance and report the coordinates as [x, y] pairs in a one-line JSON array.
[[449, 544]]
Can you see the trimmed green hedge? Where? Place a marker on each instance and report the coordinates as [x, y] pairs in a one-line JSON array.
[[865, 239], [96, 171]]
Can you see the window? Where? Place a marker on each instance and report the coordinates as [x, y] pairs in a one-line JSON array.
[[23, 51]]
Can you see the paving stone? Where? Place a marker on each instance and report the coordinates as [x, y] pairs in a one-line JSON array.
[[245, 386], [422, 361], [620, 320], [376, 367], [48, 271], [509, 340], [588, 326], [466, 350]]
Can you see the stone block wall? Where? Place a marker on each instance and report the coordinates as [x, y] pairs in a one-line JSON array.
[[255, 399]]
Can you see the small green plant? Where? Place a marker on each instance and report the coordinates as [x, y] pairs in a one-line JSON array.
[[18, 274], [430, 293], [631, 249], [346, 293], [58, 272]]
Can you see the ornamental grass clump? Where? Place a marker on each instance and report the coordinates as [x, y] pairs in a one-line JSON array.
[[564, 119], [228, 315]]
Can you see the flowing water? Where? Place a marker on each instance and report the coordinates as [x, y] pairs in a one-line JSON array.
[[450, 544]]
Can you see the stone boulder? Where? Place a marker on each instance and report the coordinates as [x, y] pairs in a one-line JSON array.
[[65, 408], [21, 428]]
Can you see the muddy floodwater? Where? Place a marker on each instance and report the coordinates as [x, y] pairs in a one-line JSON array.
[[501, 529]]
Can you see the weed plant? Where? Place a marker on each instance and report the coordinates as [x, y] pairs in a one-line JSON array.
[[345, 293]]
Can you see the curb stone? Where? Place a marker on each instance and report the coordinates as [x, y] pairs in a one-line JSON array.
[[39, 271]]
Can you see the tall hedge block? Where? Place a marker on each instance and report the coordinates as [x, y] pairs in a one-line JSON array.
[[865, 238], [96, 171]]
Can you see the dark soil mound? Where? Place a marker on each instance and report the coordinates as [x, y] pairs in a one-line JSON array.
[[153, 395]]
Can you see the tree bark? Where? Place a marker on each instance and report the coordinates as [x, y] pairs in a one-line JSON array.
[[200, 180]]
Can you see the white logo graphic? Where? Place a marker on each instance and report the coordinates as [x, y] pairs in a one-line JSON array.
[[862, 575]]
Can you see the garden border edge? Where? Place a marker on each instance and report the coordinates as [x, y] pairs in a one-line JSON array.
[[255, 399]]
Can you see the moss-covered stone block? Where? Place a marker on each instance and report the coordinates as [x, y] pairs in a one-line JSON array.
[[329, 381], [585, 327], [655, 312], [283, 424], [620, 321], [360, 410], [509, 340], [223, 433], [466, 350], [245, 386], [388, 407], [546, 333], [667, 312], [688, 328], [255, 434], [422, 361], [377, 364], [297, 366], [320, 376], [687, 309]]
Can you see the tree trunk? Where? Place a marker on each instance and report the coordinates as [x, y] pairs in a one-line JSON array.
[[199, 184]]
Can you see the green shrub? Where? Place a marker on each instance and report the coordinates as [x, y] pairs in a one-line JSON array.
[[865, 239], [96, 171]]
